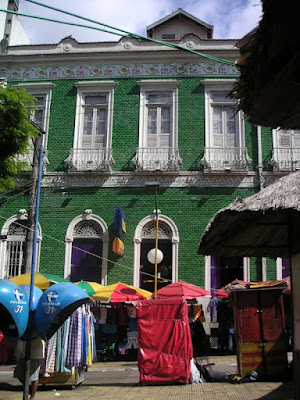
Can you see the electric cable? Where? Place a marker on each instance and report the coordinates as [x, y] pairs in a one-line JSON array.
[[129, 34], [85, 251]]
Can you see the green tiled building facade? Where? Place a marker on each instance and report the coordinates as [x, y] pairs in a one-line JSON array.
[[117, 116]]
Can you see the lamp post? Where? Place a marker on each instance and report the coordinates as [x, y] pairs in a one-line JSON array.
[[154, 186]]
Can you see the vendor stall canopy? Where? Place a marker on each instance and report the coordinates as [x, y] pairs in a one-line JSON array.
[[257, 226], [237, 285], [268, 89], [89, 287], [41, 280], [182, 289], [121, 293]]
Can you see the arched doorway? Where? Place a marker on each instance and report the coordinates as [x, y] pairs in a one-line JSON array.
[[86, 249], [144, 240]]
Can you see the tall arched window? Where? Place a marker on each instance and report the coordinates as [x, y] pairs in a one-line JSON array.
[[86, 249], [144, 241], [12, 246]]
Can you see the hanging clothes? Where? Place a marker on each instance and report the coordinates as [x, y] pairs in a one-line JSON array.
[[50, 354], [73, 345]]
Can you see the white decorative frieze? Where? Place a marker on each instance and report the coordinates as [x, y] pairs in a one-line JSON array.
[[165, 181], [120, 71]]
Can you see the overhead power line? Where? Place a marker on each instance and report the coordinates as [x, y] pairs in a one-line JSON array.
[[112, 262], [123, 32], [57, 21]]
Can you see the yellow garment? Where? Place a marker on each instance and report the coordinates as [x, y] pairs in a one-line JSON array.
[[89, 352]]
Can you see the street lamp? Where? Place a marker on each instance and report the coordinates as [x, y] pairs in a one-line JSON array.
[[157, 253]]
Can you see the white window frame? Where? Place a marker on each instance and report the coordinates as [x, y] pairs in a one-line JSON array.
[[158, 87], [207, 267], [158, 158], [42, 89], [284, 158], [279, 268], [222, 86], [93, 87], [69, 241], [21, 216], [137, 240]]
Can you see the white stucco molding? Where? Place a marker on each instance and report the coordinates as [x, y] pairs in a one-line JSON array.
[[69, 241], [137, 240], [21, 216]]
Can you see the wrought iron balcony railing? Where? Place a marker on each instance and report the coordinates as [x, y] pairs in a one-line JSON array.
[[286, 159], [90, 160], [157, 159], [225, 159]]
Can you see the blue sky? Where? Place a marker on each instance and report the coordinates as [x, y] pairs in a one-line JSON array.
[[231, 18]]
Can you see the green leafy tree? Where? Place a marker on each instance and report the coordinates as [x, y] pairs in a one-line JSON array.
[[16, 131]]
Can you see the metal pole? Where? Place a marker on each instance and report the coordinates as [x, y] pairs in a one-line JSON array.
[[260, 160], [30, 322], [156, 245], [32, 205]]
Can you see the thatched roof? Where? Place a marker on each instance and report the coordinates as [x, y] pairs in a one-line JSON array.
[[258, 226], [268, 89]]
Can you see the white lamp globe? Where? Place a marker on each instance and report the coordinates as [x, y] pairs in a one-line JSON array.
[[151, 256]]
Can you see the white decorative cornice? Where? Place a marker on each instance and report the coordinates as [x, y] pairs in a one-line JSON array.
[[96, 84], [37, 85], [217, 82], [70, 47], [159, 83], [182, 180]]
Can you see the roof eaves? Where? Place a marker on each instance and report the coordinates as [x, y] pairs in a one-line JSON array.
[[177, 12]]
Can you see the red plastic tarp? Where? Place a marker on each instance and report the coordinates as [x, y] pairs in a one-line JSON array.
[[182, 289], [165, 345], [223, 294]]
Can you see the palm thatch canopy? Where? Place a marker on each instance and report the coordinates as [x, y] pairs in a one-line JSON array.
[[268, 89], [258, 226]]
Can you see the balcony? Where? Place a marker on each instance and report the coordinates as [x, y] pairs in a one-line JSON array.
[[286, 159], [157, 159], [90, 160], [225, 159]]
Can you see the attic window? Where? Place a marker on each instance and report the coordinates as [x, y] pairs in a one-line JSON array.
[[168, 36]]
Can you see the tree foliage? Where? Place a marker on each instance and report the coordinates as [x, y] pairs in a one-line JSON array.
[[16, 131]]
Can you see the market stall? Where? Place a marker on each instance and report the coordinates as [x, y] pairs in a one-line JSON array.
[[198, 300], [222, 337], [70, 350], [260, 329], [115, 321], [58, 311], [165, 345]]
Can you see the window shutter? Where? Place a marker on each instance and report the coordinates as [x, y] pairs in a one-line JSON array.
[[152, 121], [296, 138], [151, 140], [152, 127], [40, 111], [284, 138], [217, 127], [230, 122]]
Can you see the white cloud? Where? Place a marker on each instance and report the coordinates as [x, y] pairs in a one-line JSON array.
[[231, 19]]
